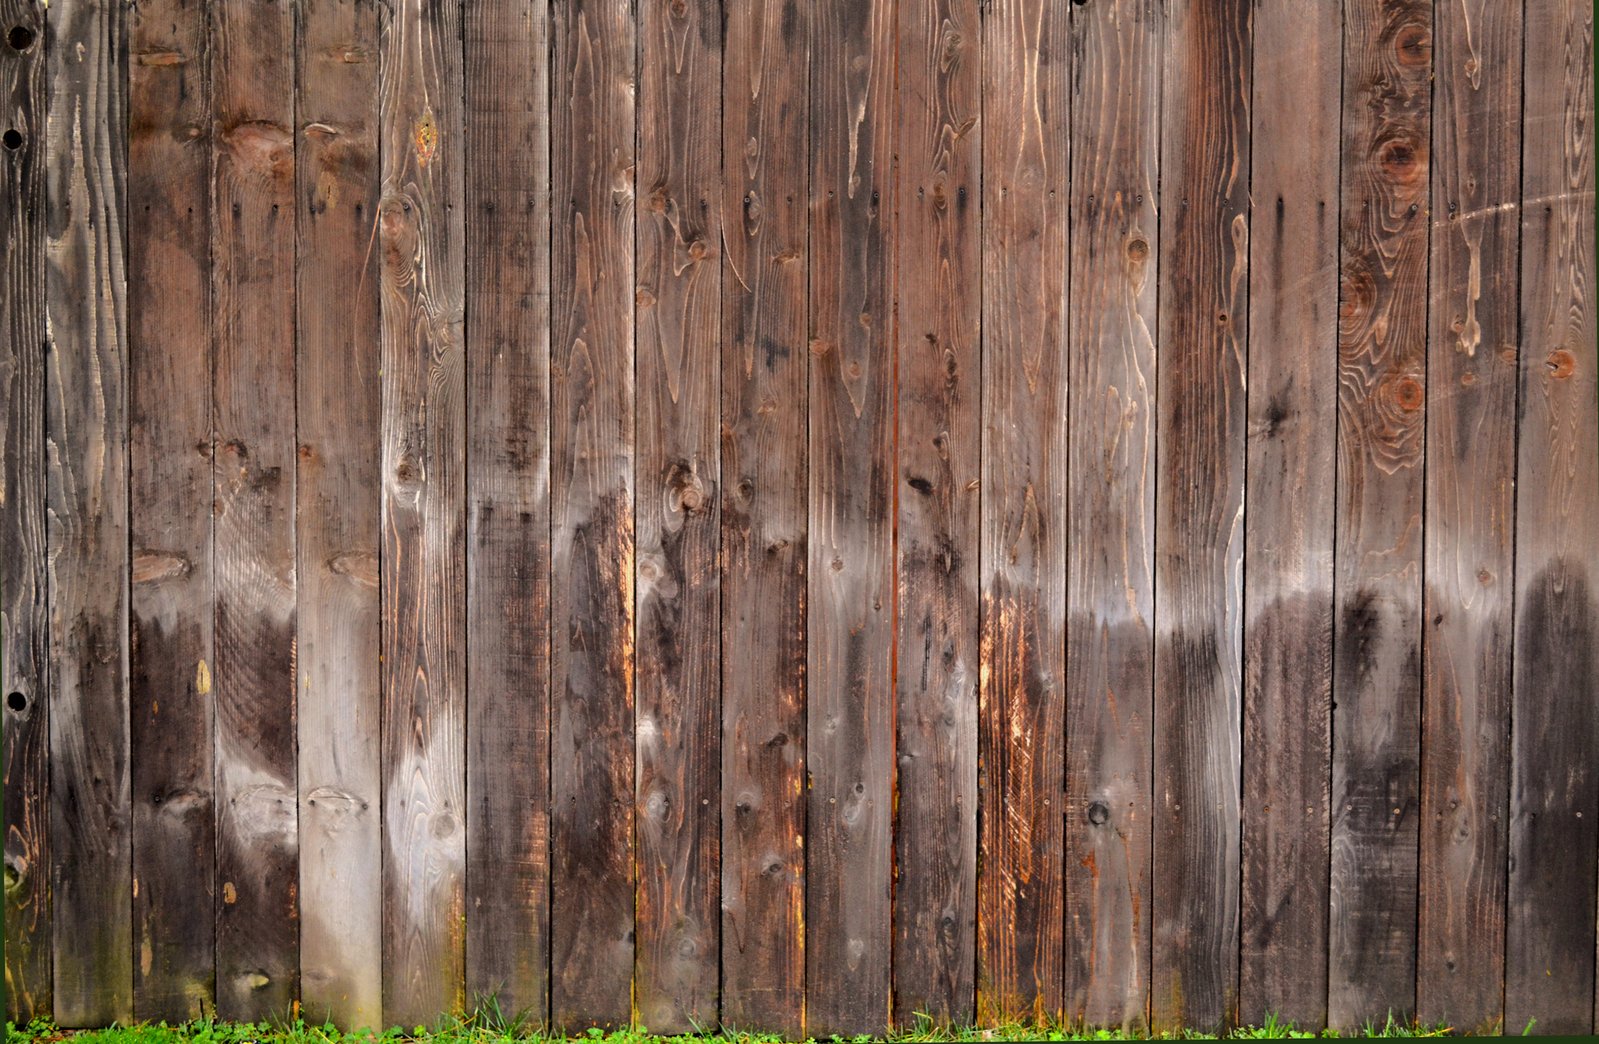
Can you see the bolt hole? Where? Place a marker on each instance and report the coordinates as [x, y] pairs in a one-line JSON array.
[[20, 38], [17, 702], [12, 139]]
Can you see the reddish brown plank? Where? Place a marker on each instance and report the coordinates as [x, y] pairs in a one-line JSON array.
[[1115, 156], [337, 497], [169, 416], [765, 124], [508, 481]]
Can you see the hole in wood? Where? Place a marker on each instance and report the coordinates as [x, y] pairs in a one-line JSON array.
[[17, 702], [20, 38], [12, 139]]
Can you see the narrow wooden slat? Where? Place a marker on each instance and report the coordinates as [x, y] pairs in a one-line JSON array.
[[1470, 510], [84, 215], [508, 481], [850, 712], [1382, 350], [1288, 538], [1115, 156], [678, 607], [169, 415], [1199, 513], [338, 397], [592, 87], [1027, 58], [257, 960], [938, 282], [765, 126], [24, 609], [423, 551], [1554, 804]]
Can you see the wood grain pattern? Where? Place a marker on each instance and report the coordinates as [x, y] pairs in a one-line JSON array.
[[850, 712], [1470, 511], [765, 124], [1289, 503], [24, 600], [1199, 512], [1115, 252], [593, 70], [85, 215], [423, 571], [677, 595], [1382, 351], [508, 505], [1020, 942], [1554, 803], [169, 418], [938, 299], [338, 500]]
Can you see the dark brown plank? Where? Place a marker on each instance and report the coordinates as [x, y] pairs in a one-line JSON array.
[[1027, 55], [1554, 804], [423, 572], [1382, 350], [87, 505], [938, 282], [24, 619], [678, 594], [765, 125], [1115, 143], [508, 480], [1288, 536], [169, 416], [850, 712], [592, 88], [1470, 511], [1199, 513], [338, 502], [257, 960]]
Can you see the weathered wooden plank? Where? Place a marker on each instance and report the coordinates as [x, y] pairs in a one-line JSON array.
[[850, 712], [1470, 511], [592, 88], [1382, 349], [169, 416], [1020, 942], [938, 282], [765, 125], [87, 526], [1199, 512], [257, 959], [1288, 538], [1554, 825], [24, 609], [1115, 156], [508, 512], [677, 597], [423, 550], [338, 502]]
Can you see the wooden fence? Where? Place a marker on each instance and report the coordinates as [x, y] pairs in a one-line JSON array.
[[800, 513]]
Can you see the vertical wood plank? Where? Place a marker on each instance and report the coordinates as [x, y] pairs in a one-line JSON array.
[[1199, 514], [1027, 58], [423, 572], [169, 414], [938, 297], [850, 713], [1288, 538], [1470, 511], [677, 597], [591, 463], [508, 542], [338, 501], [24, 610], [257, 962], [765, 126], [1115, 156], [87, 503], [1382, 350], [1549, 973]]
